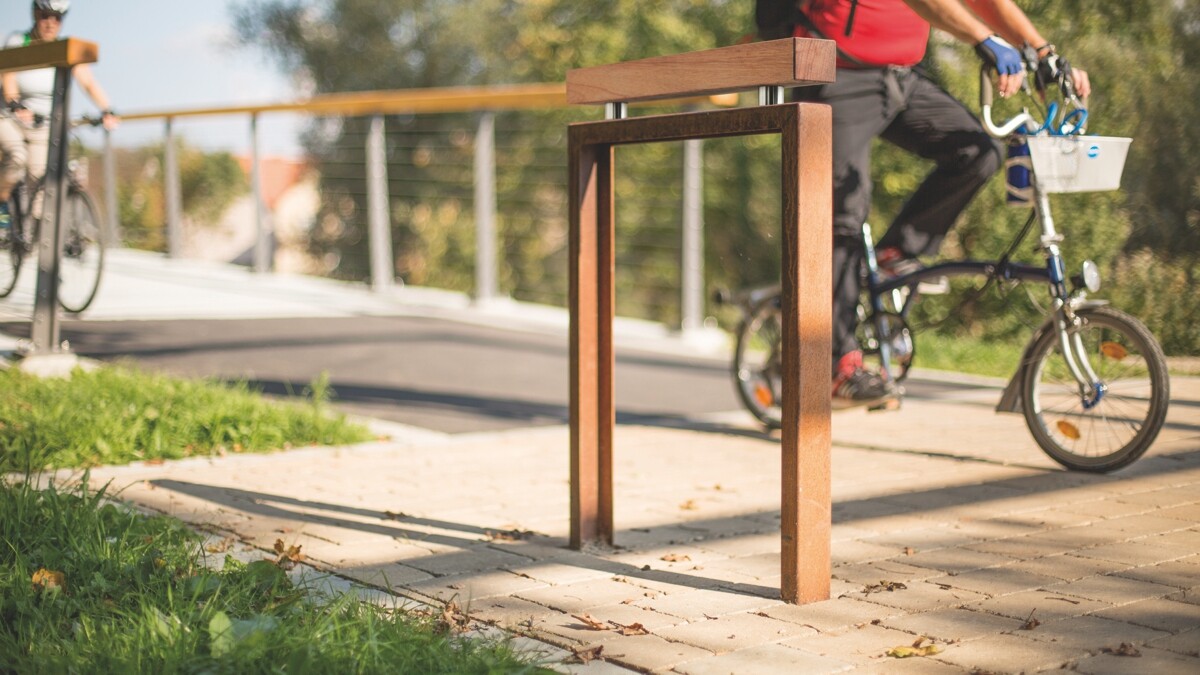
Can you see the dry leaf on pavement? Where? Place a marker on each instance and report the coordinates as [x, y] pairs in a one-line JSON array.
[[631, 629], [587, 654], [675, 557], [1125, 649], [905, 652], [591, 622]]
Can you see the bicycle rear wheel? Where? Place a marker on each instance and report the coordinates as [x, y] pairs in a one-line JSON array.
[[12, 252], [1117, 426], [758, 362], [83, 252]]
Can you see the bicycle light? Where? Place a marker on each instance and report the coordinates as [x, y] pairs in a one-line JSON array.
[[1091, 276]]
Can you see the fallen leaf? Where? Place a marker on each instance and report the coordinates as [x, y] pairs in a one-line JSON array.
[[689, 505], [220, 546], [288, 555], [394, 515], [884, 586], [1031, 622], [509, 535], [453, 619], [587, 654], [591, 622], [905, 652], [156, 461], [631, 629], [908, 550], [1126, 649], [456, 587], [919, 641], [675, 557], [47, 579]]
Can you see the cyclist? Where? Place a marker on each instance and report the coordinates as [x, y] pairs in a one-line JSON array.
[[28, 95], [881, 92]]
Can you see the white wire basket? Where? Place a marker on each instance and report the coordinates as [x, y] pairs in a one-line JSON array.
[[1078, 163]]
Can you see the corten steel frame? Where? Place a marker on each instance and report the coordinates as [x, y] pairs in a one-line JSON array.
[[62, 55], [806, 279]]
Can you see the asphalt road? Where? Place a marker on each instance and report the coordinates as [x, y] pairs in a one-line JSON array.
[[431, 373], [436, 374]]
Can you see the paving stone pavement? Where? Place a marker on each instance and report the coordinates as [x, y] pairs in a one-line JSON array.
[[950, 528]]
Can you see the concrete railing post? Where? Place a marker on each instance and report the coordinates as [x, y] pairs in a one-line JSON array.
[[486, 287], [262, 228], [379, 231], [174, 195], [692, 267]]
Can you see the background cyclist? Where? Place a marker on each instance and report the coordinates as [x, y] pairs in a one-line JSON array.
[[880, 92], [27, 97]]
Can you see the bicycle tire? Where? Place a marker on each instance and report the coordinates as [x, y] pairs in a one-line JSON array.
[[758, 362], [83, 247], [12, 252], [1122, 424]]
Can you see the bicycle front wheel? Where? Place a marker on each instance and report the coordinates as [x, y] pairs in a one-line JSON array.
[[1113, 426], [83, 252], [758, 362]]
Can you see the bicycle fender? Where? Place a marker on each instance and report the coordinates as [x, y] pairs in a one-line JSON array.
[[1010, 398]]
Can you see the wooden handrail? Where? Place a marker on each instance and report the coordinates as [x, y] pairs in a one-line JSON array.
[[791, 62], [434, 100], [57, 54]]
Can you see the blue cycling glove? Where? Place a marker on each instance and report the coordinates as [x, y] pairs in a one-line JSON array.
[[997, 53]]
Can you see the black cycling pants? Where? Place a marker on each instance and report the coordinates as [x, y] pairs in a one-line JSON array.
[[906, 109]]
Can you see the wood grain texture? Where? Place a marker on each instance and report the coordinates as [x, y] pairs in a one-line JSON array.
[[57, 54], [806, 226], [806, 501], [790, 62]]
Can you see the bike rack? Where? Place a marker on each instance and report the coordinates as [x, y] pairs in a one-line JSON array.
[[806, 507], [62, 55]]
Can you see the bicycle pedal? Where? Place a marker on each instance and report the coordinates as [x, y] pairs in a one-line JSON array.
[[886, 406]]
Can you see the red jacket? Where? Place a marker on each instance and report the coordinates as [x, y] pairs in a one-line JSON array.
[[883, 32]]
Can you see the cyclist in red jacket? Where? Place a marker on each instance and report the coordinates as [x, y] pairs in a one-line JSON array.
[[881, 92]]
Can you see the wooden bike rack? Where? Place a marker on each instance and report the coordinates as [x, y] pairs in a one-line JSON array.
[[805, 130]]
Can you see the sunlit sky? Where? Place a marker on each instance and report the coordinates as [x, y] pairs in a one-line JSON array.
[[169, 55]]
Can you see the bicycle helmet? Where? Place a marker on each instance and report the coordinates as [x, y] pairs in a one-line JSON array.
[[57, 6]]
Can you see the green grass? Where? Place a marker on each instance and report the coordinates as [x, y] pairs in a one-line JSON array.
[[89, 587], [117, 415], [967, 355]]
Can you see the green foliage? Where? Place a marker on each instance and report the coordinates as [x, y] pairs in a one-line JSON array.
[[209, 183], [1142, 59], [120, 415], [89, 587]]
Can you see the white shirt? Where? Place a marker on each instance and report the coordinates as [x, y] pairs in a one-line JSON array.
[[36, 86]]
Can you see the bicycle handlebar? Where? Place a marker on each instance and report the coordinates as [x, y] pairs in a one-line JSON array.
[[985, 106]]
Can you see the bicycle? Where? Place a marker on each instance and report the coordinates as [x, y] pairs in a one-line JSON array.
[[1092, 383], [84, 237]]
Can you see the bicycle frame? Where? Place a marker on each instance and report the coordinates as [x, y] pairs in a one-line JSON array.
[[1053, 273]]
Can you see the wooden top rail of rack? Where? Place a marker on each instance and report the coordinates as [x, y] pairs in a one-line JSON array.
[[57, 54], [806, 167]]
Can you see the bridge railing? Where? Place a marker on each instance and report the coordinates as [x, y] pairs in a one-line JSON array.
[[479, 136]]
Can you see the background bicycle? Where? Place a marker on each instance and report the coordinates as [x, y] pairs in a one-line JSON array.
[[1092, 383], [84, 238]]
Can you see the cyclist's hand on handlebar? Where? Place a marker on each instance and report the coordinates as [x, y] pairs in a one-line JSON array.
[[110, 119], [1053, 69], [996, 52]]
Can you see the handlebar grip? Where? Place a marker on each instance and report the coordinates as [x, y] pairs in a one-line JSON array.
[[985, 87]]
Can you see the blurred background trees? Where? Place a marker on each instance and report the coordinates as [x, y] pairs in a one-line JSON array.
[[1142, 58]]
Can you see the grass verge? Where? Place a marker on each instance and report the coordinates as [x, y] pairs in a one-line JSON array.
[[117, 415], [87, 587]]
